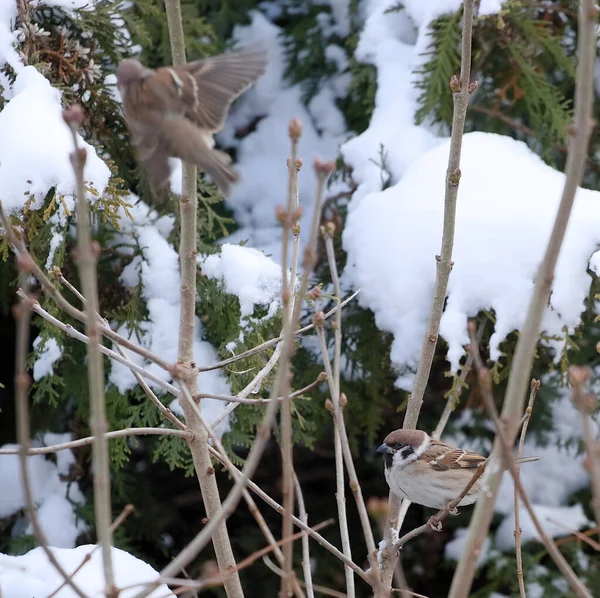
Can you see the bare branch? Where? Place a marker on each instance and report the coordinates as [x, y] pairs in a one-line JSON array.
[[461, 90], [306, 564], [22, 314], [274, 341], [70, 331], [484, 378], [586, 405], [535, 385], [288, 220], [87, 257], [518, 380]]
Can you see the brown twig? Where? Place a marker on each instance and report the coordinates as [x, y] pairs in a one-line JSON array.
[[274, 341], [306, 564], [461, 89], [22, 314], [484, 379], [338, 402], [288, 220], [87, 257], [518, 380], [335, 408], [586, 405], [164, 411], [70, 331], [535, 386], [576, 535]]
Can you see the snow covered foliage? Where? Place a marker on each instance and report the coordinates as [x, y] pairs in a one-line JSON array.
[[369, 82]]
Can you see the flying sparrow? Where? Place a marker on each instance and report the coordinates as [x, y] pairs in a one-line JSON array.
[[430, 472], [174, 111]]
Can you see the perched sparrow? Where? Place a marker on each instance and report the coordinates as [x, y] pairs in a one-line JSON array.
[[430, 472], [174, 111]]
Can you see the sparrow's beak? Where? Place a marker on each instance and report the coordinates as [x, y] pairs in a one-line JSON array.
[[384, 449]]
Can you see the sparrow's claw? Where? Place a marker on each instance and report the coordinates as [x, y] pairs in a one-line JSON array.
[[435, 525], [451, 510]]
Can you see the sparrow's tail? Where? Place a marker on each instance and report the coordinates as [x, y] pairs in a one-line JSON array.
[[215, 163]]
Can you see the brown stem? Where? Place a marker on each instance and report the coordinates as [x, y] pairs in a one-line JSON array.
[[22, 384], [518, 380], [461, 89], [87, 257], [535, 385], [484, 378]]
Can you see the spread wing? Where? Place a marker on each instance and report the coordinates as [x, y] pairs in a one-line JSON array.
[[217, 82], [442, 457]]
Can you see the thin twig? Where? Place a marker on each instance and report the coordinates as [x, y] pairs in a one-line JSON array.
[[236, 473], [70, 331], [484, 379], [583, 536], [16, 240], [535, 385], [586, 404], [87, 257], [274, 341], [22, 315], [220, 579], [55, 448], [514, 399], [321, 589], [306, 564], [459, 384], [334, 390], [461, 90], [288, 220]]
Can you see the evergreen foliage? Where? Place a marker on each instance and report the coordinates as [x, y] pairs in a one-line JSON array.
[[524, 60]]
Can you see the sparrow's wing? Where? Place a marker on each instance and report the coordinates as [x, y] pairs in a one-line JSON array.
[[215, 83], [441, 457], [181, 139]]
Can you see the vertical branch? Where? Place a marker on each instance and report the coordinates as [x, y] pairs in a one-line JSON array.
[[485, 384], [22, 314], [187, 259], [306, 565], [586, 404], [289, 220], [514, 398], [87, 257], [461, 90], [535, 385], [338, 402], [334, 406]]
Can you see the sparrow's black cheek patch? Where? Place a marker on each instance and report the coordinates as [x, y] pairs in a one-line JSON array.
[[407, 452], [388, 460]]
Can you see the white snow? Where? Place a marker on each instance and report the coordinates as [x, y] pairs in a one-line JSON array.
[[454, 549], [36, 143], [501, 233], [247, 273], [159, 272], [46, 357], [573, 518], [33, 575], [54, 497], [262, 154]]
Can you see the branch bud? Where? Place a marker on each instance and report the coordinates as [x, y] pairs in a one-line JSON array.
[[473, 87], [579, 375], [295, 129], [329, 406], [455, 86], [73, 116], [318, 319]]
